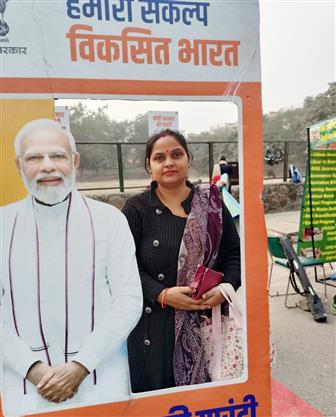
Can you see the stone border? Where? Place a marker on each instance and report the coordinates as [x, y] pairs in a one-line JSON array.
[[275, 197]]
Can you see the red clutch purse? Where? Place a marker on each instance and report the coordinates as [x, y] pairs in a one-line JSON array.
[[203, 280]]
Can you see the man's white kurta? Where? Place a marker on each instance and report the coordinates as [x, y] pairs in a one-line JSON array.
[[117, 299]]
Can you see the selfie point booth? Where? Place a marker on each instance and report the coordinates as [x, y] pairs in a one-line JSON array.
[[153, 50]]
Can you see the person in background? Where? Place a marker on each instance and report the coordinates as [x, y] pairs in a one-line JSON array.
[[170, 224], [221, 168], [71, 292]]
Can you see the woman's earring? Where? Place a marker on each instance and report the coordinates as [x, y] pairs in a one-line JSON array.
[[148, 166]]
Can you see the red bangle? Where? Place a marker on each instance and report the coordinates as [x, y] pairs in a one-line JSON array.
[[163, 305]]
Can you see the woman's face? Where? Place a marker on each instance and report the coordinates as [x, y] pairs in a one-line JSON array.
[[168, 162]]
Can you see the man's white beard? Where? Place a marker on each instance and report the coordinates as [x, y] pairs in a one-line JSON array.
[[50, 194]]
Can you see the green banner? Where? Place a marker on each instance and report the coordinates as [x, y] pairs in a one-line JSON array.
[[318, 213], [323, 135]]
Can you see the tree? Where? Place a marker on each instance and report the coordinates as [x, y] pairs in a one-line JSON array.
[[321, 107], [285, 125]]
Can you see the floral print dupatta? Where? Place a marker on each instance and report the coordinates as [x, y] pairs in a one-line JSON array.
[[199, 246]]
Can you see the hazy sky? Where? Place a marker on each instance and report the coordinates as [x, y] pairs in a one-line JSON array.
[[298, 60], [297, 50]]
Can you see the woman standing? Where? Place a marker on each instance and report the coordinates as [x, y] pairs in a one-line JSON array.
[[176, 226]]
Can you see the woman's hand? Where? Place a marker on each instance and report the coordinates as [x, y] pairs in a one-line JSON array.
[[213, 297], [179, 298]]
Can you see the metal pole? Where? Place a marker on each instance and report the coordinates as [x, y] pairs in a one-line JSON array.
[[311, 199], [310, 193], [285, 165], [211, 160], [120, 168]]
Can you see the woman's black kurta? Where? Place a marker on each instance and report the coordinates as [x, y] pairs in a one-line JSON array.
[[158, 234]]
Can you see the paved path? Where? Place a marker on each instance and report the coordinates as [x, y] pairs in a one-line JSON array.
[[306, 354]]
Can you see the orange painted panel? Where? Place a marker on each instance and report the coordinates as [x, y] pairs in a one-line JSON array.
[[14, 114], [258, 382]]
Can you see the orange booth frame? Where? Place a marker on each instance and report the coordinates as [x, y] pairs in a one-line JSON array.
[[257, 312]]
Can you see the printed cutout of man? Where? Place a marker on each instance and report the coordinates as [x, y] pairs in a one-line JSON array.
[[71, 292]]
